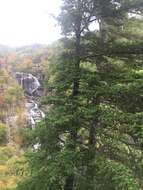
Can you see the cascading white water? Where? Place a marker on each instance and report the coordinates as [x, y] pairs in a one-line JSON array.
[[34, 113], [30, 84]]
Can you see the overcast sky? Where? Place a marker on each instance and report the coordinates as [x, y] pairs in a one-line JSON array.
[[24, 22]]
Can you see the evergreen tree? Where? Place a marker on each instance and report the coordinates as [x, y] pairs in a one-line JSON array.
[[92, 136]]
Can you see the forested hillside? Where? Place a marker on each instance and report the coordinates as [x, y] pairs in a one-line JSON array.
[[72, 113], [12, 119]]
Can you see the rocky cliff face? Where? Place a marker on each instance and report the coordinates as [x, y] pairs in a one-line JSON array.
[[29, 83]]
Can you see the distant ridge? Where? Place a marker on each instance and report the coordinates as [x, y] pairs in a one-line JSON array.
[[32, 46], [5, 49]]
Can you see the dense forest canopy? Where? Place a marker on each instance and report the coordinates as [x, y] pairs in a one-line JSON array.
[[91, 136]]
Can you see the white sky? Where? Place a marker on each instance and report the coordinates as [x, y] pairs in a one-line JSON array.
[[24, 22]]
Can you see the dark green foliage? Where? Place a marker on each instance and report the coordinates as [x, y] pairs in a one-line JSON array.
[[92, 136], [3, 134]]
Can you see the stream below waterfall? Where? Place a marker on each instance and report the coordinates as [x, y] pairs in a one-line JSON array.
[[30, 85]]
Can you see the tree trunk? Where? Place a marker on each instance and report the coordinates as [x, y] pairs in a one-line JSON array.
[[90, 185], [95, 124], [69, 183]]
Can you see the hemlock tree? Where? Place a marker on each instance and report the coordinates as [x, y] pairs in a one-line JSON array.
[[75, 19], [92, 135]]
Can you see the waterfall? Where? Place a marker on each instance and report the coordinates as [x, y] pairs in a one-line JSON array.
[[30, 85]]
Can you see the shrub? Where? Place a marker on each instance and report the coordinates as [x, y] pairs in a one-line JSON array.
[[3, 134]]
